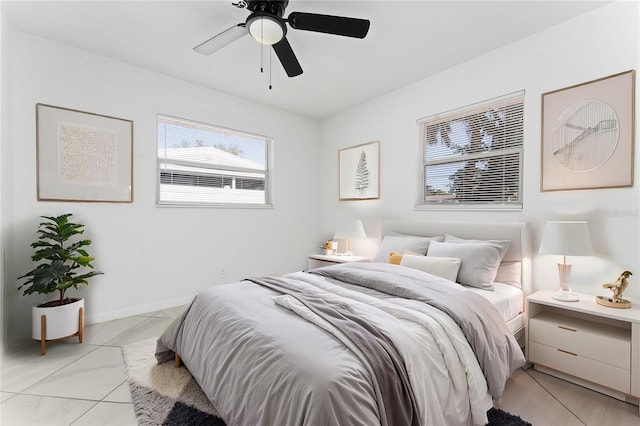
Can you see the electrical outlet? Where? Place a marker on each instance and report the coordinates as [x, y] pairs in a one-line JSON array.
[[223, 273]]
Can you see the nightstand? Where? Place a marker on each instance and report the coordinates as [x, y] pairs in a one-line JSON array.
[[319, 260], [586, 343]]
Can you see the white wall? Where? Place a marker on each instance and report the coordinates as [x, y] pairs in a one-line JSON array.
[[153, 257], [591, 46], [4, 159]]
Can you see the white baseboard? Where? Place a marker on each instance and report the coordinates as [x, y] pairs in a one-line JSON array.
[[135, 310]]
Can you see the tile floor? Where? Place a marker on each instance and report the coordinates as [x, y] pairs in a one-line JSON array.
[[75, 384], [86, 384]]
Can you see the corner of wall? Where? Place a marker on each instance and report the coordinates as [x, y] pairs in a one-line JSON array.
[[3, 188]]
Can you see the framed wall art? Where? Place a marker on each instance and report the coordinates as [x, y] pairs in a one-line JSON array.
[[359, 168], [83, 156], [588, 134]]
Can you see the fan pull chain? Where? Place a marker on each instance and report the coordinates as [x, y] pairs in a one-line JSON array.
[[270, 67], [261, 47]]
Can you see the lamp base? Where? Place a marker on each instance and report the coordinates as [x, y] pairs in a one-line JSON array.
[[565, 296]]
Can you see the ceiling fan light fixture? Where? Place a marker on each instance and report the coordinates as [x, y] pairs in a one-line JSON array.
[[268, 26], [265, 29]]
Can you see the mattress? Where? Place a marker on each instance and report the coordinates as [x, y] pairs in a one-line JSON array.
[[506, 298], [516, 326]]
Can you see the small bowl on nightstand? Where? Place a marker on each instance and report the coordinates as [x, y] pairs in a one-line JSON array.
[[612, 303]]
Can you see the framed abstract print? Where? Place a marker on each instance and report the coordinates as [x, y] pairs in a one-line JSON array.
[[588, 134], [83, 156]]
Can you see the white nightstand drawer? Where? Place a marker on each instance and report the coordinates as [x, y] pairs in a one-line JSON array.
[[599, 342], [576, 365]]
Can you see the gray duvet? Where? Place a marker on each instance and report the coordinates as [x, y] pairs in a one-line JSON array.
[[262, 364]]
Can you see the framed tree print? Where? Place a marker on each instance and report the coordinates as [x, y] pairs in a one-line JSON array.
[[588, 135], [359, 168]]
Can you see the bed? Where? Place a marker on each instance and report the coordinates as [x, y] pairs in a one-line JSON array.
[[515, 267], [361, 343]]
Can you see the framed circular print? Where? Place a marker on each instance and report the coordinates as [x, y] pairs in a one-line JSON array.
[[587, 135]]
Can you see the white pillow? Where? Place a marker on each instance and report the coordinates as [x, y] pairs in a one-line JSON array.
[[480, 261], [510, 273], [445, 267], [402, 243]]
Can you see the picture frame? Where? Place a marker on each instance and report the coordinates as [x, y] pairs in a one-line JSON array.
[[359, 172], [588, 135], [82, 156]]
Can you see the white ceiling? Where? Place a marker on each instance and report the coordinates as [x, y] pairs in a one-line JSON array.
[[408, 41]]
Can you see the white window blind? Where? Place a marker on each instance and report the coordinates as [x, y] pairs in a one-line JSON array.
[[201, 164], [472, 156]]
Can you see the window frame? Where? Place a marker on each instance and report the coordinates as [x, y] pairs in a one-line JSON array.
[[267, 172], [459, 114]]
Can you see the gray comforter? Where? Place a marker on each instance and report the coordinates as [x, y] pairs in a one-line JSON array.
[[262, 364], [388, 367], [496, 350]]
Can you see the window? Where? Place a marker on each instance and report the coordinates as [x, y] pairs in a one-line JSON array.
[[200, 164], [472, 157]]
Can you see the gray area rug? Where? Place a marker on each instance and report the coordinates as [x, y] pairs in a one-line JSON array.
[[163, 394], [169, 396]]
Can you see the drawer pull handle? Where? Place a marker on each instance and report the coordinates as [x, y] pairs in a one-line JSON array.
[[568, 329], [567, 352]]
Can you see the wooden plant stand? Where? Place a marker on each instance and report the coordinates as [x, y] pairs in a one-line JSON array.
[[43, 332]]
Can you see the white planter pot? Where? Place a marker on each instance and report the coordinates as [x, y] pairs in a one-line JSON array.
[[60, 321]]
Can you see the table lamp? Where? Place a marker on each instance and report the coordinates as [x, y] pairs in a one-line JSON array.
[[566, 238], [353, 229]]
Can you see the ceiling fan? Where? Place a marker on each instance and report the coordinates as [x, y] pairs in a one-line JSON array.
[[266, 25]]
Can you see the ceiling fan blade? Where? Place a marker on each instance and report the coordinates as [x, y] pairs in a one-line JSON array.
[[329, 24], [221, 40], [287, 58]]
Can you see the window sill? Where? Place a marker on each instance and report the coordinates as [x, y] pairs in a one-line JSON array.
[[216, 205], [468, 207]]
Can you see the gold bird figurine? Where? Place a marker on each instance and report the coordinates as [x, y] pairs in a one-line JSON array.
[[619, 286]]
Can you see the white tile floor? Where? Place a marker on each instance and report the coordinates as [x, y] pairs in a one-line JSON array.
[[75, 384], [85, 385]]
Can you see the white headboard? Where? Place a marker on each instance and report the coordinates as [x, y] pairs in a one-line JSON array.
[[517, 232]]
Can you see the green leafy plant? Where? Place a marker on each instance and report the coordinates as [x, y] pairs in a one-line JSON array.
[[63, 259]]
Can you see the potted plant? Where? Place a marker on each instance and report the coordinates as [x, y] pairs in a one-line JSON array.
[[65, 264]]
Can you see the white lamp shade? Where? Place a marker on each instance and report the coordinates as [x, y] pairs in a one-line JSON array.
[[567, 238], [265, 29], [353, 229]]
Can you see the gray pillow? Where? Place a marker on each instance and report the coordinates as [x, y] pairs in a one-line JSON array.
[[504, 244], [479, 261], [402, 243]]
